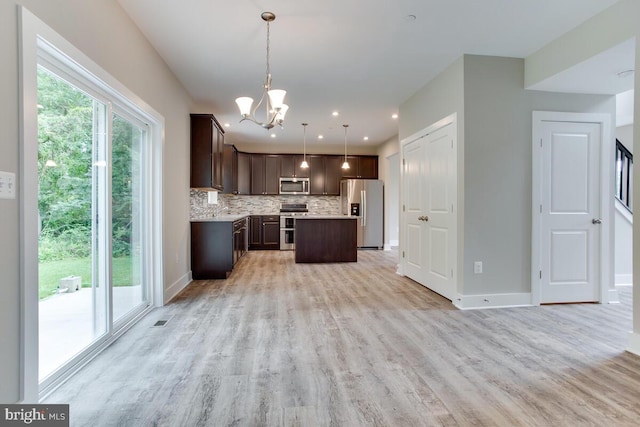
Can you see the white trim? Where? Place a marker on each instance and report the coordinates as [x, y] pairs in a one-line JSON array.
[[391, 244], [172, 291], [473, 302], [624, 279], [612, 296], [28, 179], [606, 197], [634, 343], [35, 36]]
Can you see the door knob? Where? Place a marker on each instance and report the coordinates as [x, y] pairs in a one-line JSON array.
[[426, 218], [596, 221], [420, 218]]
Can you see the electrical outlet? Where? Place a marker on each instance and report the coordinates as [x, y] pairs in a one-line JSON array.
[[477, 267], [7, 185]]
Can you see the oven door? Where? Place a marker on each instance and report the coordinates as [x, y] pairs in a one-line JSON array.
[[287, 239]]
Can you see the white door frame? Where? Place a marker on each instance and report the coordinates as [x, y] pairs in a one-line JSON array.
[[451, 119], [606, 197]]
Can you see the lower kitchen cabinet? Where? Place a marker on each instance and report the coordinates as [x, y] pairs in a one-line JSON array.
[[216, 246], [264, 232]]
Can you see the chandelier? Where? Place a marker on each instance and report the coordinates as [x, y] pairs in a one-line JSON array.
[[273, 99]]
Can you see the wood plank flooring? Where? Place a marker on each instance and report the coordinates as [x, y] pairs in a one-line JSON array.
[[285, 344]]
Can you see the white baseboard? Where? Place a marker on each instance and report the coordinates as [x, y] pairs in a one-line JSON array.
[[391, 245], [634, 343], [624, 279], [612, 296], [176, 287], [472, 302]]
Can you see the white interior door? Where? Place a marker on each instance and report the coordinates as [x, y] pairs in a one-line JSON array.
[[570, 222], [414, 247], [429, 218], [439, 222]]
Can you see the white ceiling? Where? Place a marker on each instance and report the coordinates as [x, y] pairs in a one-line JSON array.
[[360, 57]]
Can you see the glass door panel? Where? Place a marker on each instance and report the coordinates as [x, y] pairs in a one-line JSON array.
[[127, 187], [72, 282]]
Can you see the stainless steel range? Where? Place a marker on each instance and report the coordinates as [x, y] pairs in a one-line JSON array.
[[288, 214]]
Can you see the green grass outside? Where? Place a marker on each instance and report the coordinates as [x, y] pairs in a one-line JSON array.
[[50, 273]]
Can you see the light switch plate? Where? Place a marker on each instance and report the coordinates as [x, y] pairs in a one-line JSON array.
[[7, 185]]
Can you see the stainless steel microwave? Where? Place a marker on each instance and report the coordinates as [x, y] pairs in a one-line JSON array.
[[294, 185]]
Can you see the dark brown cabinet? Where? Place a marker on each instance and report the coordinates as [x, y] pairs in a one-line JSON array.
[[230, 169], [290, 166], [207, 145], [324, 175], [216, 246], [264, 232], [265, 174], [363, 167], [259, 174], [244, 173]]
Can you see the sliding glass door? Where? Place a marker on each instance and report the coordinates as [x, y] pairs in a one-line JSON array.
[[92, 165]]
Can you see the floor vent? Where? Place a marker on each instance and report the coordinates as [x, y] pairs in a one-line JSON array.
[[160, 323]]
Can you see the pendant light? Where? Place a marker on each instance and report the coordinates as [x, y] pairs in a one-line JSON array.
[[274, 98], [345, 165], [304, 164]]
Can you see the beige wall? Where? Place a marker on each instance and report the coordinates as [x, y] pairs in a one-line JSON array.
[[497, 184], [102, 31], [605, 30], [494, 162]]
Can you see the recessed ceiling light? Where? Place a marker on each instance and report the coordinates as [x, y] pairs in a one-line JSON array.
[[320, 136], [394, 116], [366, 138], [335, 114], [273, 135], [227, 125]]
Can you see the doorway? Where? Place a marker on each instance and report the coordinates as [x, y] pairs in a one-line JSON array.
[[571, 215], [429, 199]]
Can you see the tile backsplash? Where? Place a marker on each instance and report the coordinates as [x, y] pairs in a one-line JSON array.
[[229, 204]]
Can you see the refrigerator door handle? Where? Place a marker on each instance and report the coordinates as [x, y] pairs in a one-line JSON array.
[[363, 197]]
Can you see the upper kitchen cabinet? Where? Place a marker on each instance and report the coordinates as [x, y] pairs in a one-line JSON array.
[[324, 175], [265, 174], [244, 173], [230, 169], [207, 146], [362, 167], [290, 166]]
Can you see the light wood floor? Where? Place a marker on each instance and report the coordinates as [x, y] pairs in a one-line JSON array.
[[280, 343]]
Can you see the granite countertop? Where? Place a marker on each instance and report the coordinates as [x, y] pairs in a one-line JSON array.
[[221, 218]]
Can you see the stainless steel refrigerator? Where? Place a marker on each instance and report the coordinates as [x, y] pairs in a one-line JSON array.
[[364, 198]]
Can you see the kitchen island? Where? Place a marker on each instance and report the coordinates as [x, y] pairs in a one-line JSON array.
[[326, 238]]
